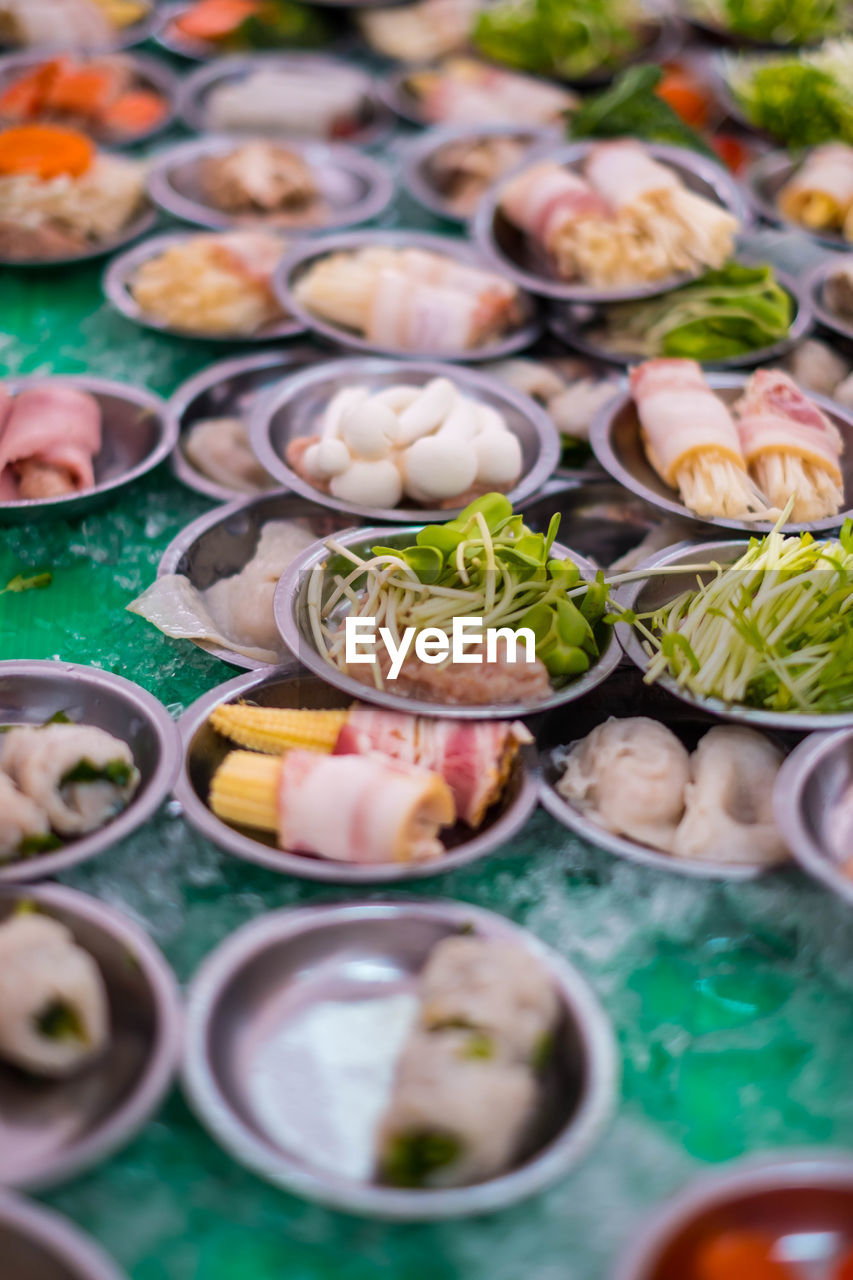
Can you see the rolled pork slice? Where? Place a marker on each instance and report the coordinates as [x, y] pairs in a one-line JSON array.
[[623, 172], [21, 819], [365, 809], [456, 1115], [81, 776], [54, 1013], [50, 438], [790, 446], [494, 987], [691, 439], [548, 202], [409, 315], [820, 194]]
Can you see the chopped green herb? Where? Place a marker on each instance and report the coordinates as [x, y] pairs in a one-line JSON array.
[[59, 717], [60, 1021], [478, 1045], [119, 772], [45, 842], [411, 1158], [19, 583], [543, 1051]]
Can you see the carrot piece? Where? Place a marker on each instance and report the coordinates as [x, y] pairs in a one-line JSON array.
[[733, 153], [24, 98], [845, 1271], [84, 91], [135, 112], [215, 19], [686, 99], [44, 150], [740, 1255]]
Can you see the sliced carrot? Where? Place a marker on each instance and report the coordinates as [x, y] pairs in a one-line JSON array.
[[686, 99], [84, 91], [24, 98], [740, 1255], [733, 153], [215, 19], [135, 112], [44, 150]]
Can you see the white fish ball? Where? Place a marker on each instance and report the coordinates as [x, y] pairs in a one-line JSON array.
[[499, 459], [326, 458], [369, 484], [439, 467], [370, 430]]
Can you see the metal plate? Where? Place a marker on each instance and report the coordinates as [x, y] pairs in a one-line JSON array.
[[513, 253], [227, 389], [805, 1193], [375, 122], [625, 696], [223, 542], [419, 153], [32, 691], [354, 187], [813, 284], [295, 408], [813, 779], [302, 256], [255, 991], [136, 437], [204, 751], [658, 590], [119, 275], [291, 615], [616, 442], [36, 1244], [149, 73], [52, 1130], [766, 177], [576, 326]]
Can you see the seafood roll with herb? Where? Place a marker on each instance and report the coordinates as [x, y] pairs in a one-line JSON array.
[[54, 1015], [81, 776], [24, 828]]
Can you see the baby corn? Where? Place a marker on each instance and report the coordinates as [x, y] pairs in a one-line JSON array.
[[277, 729], [244, 790]]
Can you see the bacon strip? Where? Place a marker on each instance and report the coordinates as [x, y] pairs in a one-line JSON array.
[[413, 316], [546, 198], [56, 426], [680, 416], [623, 172], [821, 193], [775, 416], [361, 808]]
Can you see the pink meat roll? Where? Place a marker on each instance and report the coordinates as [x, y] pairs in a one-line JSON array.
[[623, 172], [546, 197], [49, 440], [8, 487], [409, 315], [361, 808]]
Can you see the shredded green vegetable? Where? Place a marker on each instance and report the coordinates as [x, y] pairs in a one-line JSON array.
[[568, 38], [780, 21], [801, 100]]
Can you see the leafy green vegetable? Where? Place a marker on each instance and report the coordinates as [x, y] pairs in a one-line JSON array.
[[782, 21], [31, 846], [802, 101], [631, 108], [568, 38], [60, 1021], [58, 717], [728, 312], [279, 24], [411, 1158], [119, 772], [19, 583]]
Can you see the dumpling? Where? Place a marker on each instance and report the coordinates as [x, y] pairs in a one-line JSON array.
[[728, 815], [53, 1003], [78, 774], [219, 448], [629, 776], [21, 819]]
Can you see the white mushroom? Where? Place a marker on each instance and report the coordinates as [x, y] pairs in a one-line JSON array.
[[499, 459], [347, 399], [817, 367], [398, 397], [439, 467], [530, 377], [463, 421], [369, 484], [491, 422], [326, 458], [429, 410], [574, 409], [369, 430]]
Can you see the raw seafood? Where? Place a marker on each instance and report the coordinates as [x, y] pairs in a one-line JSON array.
[[838, 290], [305, 103], [54, 1014], [262, 180], [462, 170], [49, 436], [463, 91], [23, 823], [820, 194], [78, 774], [219, 448], [103, 93], [421, 31], [212, 284]]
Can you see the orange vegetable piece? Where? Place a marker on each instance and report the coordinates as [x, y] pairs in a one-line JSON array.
[[686, 99], [135, 112], [84, 91], [740, 1255], [24, 98], [734, 155], [215, 19], [845, 1270], [44, 150]]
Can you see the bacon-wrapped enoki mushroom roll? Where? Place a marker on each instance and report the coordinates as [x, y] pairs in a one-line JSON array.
[[549, 202], [790, 447], [820, 194], [691, 439], [49, 435], [366, 809]]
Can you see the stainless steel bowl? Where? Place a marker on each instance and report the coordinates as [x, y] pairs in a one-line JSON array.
[[375, 122], [204, 751], [291, 615], [814, 778], [227, 389], [32, 691], [37, 1244], [119, 276], [513, 253], [659, 589], [626, 695], [803, 1198], [294, 409], [53, 1130], [150, 73], [764, 180], [137, 435], [577, 325], [419, 153], [353, 186], [260, 984], [813, 285], [223, 541], [302, 256], [616, 442]]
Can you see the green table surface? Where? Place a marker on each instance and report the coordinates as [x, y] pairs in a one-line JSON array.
[[731, 1004]]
